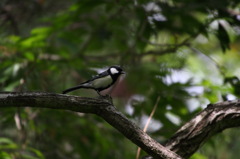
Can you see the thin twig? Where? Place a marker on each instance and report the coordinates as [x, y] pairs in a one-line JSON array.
[[147, 124]]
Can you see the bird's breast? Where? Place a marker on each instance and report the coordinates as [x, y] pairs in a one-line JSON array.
[[102, 82]]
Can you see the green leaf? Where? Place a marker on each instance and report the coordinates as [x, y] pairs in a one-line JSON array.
[[4, 140], [41, 30], [6, 143], [37, 152], [198, 156], [5, 155], [29, 56]]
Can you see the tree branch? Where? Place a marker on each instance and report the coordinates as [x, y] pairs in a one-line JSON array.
[[102, 107], [212, 120]]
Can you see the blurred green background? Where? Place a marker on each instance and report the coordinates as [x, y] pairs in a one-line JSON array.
[[184, 52]]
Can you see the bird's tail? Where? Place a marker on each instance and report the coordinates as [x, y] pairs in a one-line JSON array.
[[84, 85]]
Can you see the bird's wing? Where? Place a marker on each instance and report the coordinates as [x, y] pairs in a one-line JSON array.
[[100, 81], [100, 75], [89, 82]]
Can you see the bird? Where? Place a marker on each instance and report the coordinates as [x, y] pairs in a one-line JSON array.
[[101, 81]]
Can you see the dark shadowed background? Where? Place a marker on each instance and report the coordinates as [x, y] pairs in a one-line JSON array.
[[186, 53]]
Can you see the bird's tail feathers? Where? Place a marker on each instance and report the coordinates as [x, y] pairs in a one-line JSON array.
[[84, 85]]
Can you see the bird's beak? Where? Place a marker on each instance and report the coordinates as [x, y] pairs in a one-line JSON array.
[[123, 72]]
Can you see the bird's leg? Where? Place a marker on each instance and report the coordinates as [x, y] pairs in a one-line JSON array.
[[98, 93], [109, 98], [101, 96], [106, 97]]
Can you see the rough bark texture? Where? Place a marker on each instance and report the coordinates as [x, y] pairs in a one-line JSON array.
[[102, 107], [185, 142], [215, 118]]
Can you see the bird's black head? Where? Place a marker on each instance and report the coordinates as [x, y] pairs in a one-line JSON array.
[[115, 71]]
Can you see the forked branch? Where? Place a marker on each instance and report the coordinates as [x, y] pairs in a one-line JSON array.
[[185, 142]]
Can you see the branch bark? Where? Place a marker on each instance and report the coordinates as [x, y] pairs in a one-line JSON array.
[[102, 107], [212, 120]]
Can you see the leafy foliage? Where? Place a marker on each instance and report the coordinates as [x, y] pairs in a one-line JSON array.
[[169, 49]]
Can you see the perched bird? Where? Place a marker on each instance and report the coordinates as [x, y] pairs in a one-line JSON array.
[[100, 82]]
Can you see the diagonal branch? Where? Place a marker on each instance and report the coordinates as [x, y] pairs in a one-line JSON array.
[[101, 107], [212, 120]]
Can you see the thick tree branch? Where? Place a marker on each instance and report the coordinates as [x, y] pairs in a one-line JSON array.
[[102, 107], [185, 142], [212, 120]]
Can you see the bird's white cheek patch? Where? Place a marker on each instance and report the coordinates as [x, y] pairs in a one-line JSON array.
[[114, 70]]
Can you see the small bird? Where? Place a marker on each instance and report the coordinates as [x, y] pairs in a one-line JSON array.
[[100, 82]]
